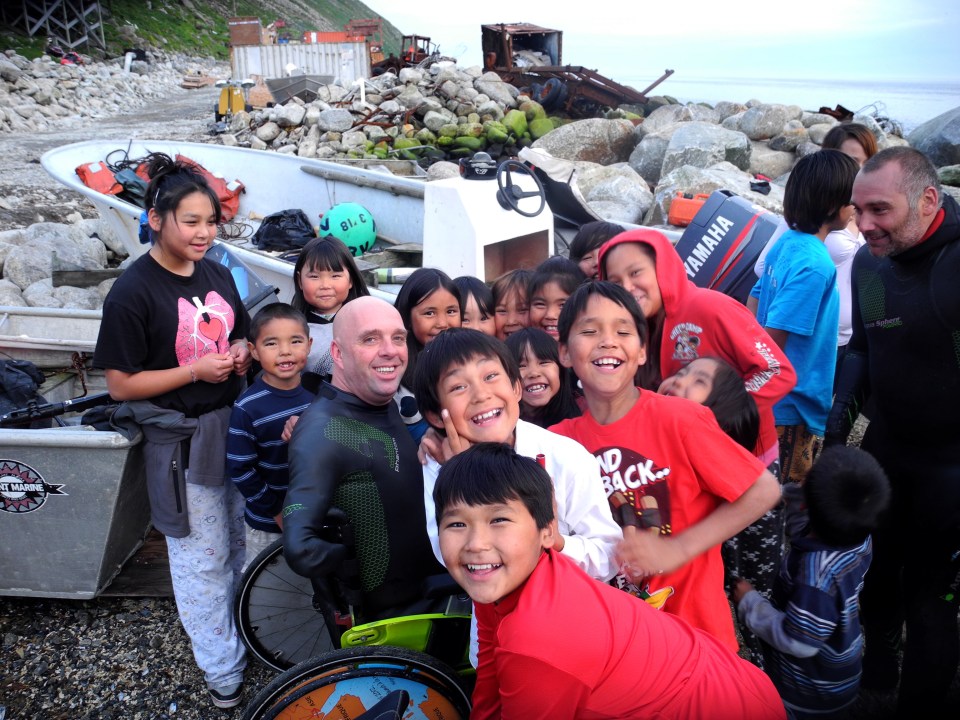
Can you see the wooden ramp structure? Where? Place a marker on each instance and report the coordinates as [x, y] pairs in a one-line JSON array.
[[71, 24]]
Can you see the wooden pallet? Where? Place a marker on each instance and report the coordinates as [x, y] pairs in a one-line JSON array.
[[192, 82]]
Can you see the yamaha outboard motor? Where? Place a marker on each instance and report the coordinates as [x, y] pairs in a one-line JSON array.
[[723, 241]]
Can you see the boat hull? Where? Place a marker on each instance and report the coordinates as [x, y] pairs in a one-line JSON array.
[[73, 503], [48, 337]]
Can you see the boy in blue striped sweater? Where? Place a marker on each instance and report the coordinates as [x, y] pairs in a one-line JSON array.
[[256, 455], [810, 628]]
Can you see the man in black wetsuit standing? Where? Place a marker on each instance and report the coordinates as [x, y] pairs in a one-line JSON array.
[[905, 356], [351, 449]]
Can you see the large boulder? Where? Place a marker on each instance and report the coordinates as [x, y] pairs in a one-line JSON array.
[[289, 115], [939, 138], [762, 122], [491, 85], [725, 109], [615, 192], [647, 157], [79, 298], [26, 264], [334, 120], [667, 115], [702, 145], [817, 132], [410, 75], [794, 133], [40, 294], [411, 97], [11, 294], [772, 163], [9, 71], [595, 140], [268, 132], [949, 175], [810, 119]]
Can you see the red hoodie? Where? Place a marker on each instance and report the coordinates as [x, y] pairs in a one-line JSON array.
[[701, 323]]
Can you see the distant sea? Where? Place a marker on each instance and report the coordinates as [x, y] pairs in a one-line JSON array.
[[909, 103]]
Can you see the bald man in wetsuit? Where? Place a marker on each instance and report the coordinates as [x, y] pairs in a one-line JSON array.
[[905, 352], [351, 449]]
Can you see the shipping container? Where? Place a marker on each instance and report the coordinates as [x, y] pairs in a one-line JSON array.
[[346, 61], [245, 31]]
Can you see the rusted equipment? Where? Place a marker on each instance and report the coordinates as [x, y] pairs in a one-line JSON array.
[[245, 31], [516, 46], [585, 91], [371, 28], [414, 49], [530, 57]]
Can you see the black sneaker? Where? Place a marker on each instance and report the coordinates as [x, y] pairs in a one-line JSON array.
[[226, 696]]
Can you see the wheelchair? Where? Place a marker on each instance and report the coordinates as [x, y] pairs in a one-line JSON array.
[[330, 663]]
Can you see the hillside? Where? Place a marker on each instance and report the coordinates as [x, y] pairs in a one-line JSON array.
[[199, 27]]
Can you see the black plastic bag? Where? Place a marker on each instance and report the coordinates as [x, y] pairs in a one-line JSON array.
[[284, 230]]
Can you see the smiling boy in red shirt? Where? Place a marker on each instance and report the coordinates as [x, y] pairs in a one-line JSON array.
[[554, 643]]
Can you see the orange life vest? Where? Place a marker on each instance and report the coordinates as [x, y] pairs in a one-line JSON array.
[[98, 176]]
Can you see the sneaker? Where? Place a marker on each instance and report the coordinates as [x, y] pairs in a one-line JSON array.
[[226, 696]]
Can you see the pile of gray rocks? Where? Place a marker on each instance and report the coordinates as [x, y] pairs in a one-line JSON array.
[[630, 164], [29, 255], [41, 94]]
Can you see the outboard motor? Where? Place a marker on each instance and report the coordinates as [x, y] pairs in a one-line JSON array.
[[723, 241]]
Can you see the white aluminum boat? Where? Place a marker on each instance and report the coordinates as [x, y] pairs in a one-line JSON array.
[[458, 223]]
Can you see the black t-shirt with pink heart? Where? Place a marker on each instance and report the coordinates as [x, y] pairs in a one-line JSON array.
[[154, 319]]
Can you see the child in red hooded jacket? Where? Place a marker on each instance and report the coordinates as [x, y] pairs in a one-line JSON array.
[[687, 322]]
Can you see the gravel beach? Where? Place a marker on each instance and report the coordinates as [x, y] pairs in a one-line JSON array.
[[29, 195], [119, 657], [105, 658]]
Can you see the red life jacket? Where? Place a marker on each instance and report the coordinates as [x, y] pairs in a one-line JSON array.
[[98, 176]]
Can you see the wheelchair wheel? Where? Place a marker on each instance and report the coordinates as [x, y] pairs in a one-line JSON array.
[[346, 683], [275, 614]]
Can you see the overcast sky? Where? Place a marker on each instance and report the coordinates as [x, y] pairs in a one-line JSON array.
[[813, 39]]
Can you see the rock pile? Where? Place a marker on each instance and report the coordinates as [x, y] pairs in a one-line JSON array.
[[442, 111], [630, 163], [29, 256], [39, 95]]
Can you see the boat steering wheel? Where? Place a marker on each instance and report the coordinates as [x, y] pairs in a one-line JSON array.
[[509, 194]]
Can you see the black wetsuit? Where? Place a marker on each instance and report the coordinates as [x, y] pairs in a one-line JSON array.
[[905, 357], [360, 458]]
